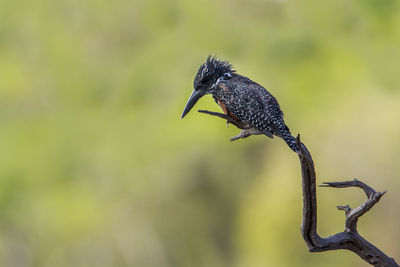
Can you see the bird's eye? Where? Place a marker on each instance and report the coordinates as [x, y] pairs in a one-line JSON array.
[[227, 76]]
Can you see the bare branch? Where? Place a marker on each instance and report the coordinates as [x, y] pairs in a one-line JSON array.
[[352, 215], [247, 130], [355, 183], [228, 119], [349, 239]]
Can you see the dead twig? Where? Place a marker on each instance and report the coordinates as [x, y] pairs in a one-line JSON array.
[[349, 239]]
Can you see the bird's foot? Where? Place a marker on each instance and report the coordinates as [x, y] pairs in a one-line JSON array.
[[247, 132], [242, 134]]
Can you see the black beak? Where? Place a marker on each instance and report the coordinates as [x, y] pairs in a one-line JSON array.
[[196, 95]]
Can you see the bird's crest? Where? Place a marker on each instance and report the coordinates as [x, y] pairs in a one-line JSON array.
[[211, 70], [216, 65]]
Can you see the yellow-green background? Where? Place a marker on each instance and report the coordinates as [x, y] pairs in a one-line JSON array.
[[97, 169]]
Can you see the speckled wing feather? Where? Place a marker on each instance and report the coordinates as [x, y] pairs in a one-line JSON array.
[[247, 102], [254, 105]]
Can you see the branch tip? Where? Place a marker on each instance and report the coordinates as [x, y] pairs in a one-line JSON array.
[[346, 209]]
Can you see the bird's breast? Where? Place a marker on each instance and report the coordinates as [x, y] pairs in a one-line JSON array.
[[226, 110], [223, 107]]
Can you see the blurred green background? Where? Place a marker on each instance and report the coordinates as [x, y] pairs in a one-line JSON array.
[[97, 169]]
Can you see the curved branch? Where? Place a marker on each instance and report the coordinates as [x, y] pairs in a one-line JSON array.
[[349, 239], [352, 215]]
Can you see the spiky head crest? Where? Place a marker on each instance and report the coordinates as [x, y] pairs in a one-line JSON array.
[[210, 71]]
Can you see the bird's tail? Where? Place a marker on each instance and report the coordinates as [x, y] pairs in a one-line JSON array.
[[290, 140]]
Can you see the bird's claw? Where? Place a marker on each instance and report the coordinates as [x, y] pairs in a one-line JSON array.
[[234, 138], [242, 134]]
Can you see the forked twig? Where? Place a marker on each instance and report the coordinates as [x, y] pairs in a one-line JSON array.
[[349, 239]]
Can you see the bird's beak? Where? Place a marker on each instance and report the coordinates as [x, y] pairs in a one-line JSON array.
[[196, 95]]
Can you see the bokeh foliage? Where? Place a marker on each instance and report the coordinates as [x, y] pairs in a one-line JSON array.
[[97, 169]]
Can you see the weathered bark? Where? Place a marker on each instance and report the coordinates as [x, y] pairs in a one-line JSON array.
[[349, 239]]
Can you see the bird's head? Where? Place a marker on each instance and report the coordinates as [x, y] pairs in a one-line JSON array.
[[206, 78]]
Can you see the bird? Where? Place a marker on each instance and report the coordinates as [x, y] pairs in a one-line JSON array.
[[244, 102]]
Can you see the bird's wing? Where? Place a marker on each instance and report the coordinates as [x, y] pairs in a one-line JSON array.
[[249, 104], [273, 110]]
